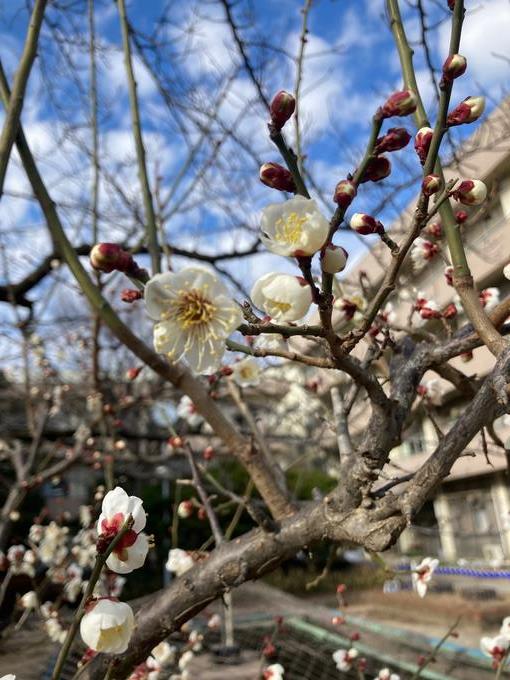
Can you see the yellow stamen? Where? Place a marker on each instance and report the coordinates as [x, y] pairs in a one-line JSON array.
[[290, 228], [193, 309]]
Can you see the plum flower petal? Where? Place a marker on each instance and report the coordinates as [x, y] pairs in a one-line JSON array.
[[423, 573]]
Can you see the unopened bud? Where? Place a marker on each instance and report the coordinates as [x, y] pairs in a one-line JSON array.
[[277, 177], [333, 259], [454, 67], [176, 442], [109, 257], [130, 295], [466, 356], [461, 216], [422, 143], [208, 453], [430, 313], [434, 229], [470, 192], [451, 4], [377, 168], [399, 104], [431, 184], [345, 192], [450, 312], [281, 109], [366, 224], [133, 373], [394, 140], [467, 111], [185, 509]]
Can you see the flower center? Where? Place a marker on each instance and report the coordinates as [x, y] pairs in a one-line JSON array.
[[289, 229], [108, 637], [194, 309], [279, 306]]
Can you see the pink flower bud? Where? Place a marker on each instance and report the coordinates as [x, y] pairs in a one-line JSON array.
[[450, 312], [333, 259], [454, 67], [345, 192], [130, 295], [435, 229], [133, 373], [109, 257], [467, 111], [394, 140], [470, 192], [277, 177], [431, 184], [377, 168], [422, 143], [281, 109], [366, 224], [430, 313], [461, 216], [399, 104]]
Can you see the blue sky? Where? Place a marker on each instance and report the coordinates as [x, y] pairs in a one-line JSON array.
[[350, 68]]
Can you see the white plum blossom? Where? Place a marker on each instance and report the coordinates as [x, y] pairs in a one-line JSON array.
[[505, 627], [186, 659], [179, 561], [282, 296], [293, 228], [246, 372], [344, 658], [29, 600], [422, 252], [187, 410], [274, 672], [496, 648], [270, 342], [489, 298], [195, 316], [130, 552], [9, 676], [214, 622], [423, 573], [386, 674], [107, 626], [506, 271]]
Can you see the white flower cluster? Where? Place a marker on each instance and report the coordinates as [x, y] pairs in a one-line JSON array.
[[498, 647]]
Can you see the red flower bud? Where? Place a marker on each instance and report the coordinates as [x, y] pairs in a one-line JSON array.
[[377, 168], [448, 274], [399, 104], [429, 313], [109, 257], [454, 67], [226, 370], [277, 177], [394, 140], [341, 588], [130, 295], [450, 312], [355, 636], [467, 111], [431, 184], [208, 453], [451, 4], [176, 442], [422, 143], [366, 224], [133, 373], [281, 109], [345, 192], [466, 356], [461, 216]]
